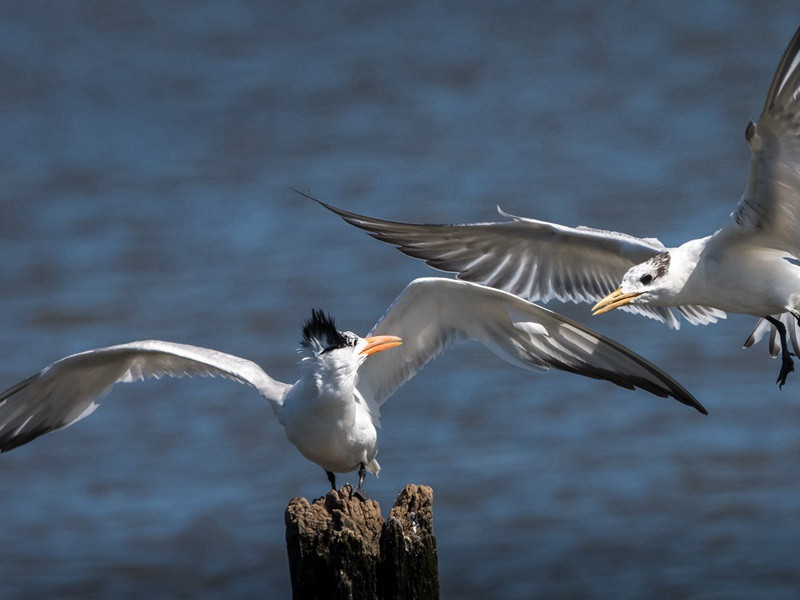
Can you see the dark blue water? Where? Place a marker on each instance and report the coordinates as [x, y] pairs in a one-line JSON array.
[[147, 152]]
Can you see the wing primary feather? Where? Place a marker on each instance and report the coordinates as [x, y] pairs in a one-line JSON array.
[[536, 260], [432, 313], [786, 66], [71, 388]]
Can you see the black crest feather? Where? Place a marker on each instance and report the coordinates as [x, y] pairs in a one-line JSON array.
[[661, 263], [321, 329]]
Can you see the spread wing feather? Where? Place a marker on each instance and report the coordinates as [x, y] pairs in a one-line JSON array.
[[433, 313], [70, 389], [535, 260]]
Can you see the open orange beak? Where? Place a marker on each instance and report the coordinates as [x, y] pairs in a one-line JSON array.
[[614, 300], [379, 343]]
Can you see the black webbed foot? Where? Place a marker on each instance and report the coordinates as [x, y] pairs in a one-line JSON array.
[[331, 478], [787, 366], [359, 491]]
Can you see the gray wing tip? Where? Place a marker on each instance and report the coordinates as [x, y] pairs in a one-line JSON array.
[[657, 382], [356, 219], [783, 71], [308, 195], [666, 387], [700, 408], [11, 441], [6, 394], [346, 215]]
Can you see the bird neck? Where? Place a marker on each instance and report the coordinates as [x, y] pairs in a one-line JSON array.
[[317, 397], [330, 375], [683, 268]]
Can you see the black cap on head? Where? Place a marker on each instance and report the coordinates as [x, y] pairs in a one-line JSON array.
[[321, 329]]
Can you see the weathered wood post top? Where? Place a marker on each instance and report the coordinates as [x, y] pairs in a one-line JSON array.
[[340, 547]]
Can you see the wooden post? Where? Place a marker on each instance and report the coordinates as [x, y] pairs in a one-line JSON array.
[[409, 564], [341, 548]]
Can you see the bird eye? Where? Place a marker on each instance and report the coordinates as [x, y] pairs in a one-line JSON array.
[[647, 278]]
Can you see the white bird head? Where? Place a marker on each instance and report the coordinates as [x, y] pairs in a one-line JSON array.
[[642, 284], [325, 348]]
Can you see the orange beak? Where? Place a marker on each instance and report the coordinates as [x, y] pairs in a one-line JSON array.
[[614, 300], [379, 343]]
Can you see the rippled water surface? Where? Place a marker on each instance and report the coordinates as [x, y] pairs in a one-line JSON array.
[[148, 149]]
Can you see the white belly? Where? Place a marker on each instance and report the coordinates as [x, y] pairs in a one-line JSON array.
[[337, 435], [743, 279]]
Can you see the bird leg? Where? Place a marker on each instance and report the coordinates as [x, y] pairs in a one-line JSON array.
[[787, 364], [332, 479], [359, 491]]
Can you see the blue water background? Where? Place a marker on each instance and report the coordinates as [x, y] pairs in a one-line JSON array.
[[147, 151]]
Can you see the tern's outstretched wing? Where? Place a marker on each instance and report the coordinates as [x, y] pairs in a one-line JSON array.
[[432, 313], [770, 205], [532, 259], [70, 389]]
